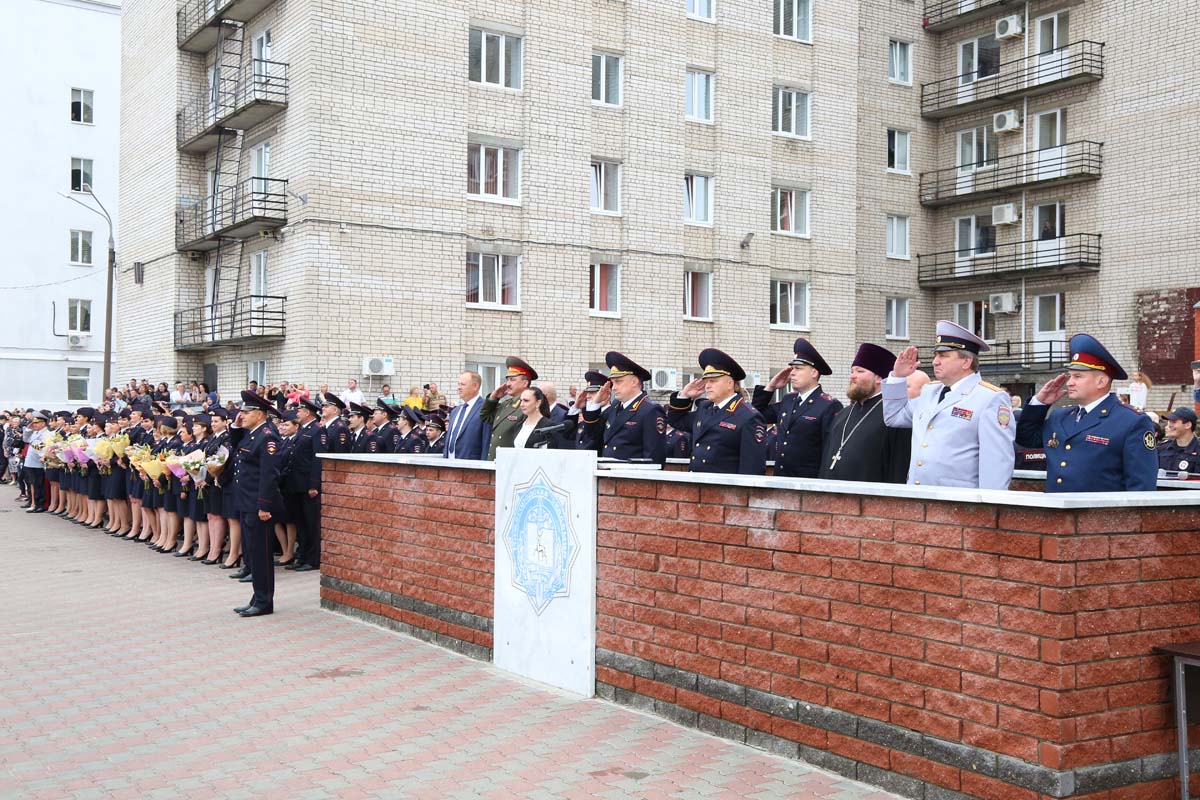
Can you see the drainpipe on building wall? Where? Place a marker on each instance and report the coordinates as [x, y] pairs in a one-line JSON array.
[[1195, 351]]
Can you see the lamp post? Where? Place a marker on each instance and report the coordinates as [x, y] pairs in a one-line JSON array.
[[112, 270]]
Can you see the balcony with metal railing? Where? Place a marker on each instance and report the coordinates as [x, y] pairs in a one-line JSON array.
[[237, 320], [1040, 73], [234, 212], [196, 20], [1072, 254], [941, 15], [1017, 356], [1068, 163], [258, 94]]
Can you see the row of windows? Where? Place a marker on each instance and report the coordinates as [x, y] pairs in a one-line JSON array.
[[494, 280]]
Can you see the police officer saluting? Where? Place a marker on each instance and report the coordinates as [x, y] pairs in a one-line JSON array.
[[1099, 445], [1180, 453], [728, 435], [633, 426], [962, 426], [255, 483], [804, 417]]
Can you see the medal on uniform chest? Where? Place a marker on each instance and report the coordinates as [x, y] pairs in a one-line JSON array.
[[1053, 442], [1183, 464]]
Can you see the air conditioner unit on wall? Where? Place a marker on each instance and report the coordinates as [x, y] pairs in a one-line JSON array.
[[1005, 214], [1006, 121], [78, 340], [379, 365], [664, 379], [1008, 27], [1002, 303]]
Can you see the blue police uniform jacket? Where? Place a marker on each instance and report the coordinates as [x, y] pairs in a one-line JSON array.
[[362, 442], [304, 468], [627, 433], [412, 442], [803, 427], [438, 446], [679, 444], [1174, 458], [384, 439], [1112, 449], [256, 475], [730, 439], [337, 436]]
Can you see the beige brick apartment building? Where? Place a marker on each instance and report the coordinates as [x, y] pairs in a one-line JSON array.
[[309, 184]]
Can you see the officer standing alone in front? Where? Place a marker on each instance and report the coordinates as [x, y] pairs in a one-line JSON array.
[[255, 483]]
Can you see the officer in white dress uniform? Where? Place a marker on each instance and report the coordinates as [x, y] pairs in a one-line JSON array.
[[962, 426]]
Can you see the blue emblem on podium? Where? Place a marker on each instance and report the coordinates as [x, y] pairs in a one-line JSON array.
[[541, 542]]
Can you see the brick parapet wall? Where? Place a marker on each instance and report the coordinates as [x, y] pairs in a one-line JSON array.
[[940, 649]]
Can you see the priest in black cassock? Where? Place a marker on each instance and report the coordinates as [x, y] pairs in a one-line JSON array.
[[861, 447]]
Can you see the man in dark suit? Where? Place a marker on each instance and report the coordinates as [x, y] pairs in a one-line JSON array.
[[467, 436], [804, 417], [301, 487]]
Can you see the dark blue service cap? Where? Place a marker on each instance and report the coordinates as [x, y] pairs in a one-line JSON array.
[[413, 415], [595, 380], [1183, 413], [1088, 354], [360, 410], [251, 400], [388, 408], [310, 405], [805, 355], [620, 365], [331, 399], [717, 364]]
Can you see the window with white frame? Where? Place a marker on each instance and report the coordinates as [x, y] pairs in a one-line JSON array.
[[495, 59], [606, 187], [790, 111], [256, 371], [793, 19], [493, 172], [700, 9], [606, 79], [896, 324], [975, 316], [492, 280], [699, 96], [974, 236], [79, 316], [81, 247], [897, 236], [789, 211], [78, 379], [604, 289], [900, 61], [897, 150], [977, 148], [978, 58], [491, 372], [697, 295], [81, 173], [697, 199], [81, 106], [789, 304]]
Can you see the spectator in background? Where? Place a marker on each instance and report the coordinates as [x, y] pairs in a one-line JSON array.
[[161, 394], [916, 382], [1139, 386], [277, 396], [352, 393], [387, 396], [415, 399], [211, 398], [323, 392], [298, 393], [433, 398], [1196, 386], [1181, 450], [180, 397]]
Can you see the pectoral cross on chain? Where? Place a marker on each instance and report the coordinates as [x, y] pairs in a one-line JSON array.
[[836, 458]]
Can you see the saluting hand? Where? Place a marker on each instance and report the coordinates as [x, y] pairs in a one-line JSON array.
[[312, 492], [1053, 390], [906, 363], [605, 393], [781, 379], [500, 391], [693, 389]]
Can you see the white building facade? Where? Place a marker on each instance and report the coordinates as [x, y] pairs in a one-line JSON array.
[[61, 133]]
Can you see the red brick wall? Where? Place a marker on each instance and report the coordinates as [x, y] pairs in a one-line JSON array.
[[425, 533], [1026, 632], [1018, 631], [1166, 335]]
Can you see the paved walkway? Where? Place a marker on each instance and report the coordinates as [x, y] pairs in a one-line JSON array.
[[124, 674]]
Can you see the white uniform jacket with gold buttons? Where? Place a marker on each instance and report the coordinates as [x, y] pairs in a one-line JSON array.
[[965, 439]]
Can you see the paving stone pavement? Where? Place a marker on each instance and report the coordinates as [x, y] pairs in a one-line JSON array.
[[125, 674]]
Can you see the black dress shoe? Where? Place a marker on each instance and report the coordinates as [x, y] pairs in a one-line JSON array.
[[306, 568], [180, 553], [235, 565], [36, 511], [209, 562], [246, 579], [195, 558], [294, 565], [255, 611], [240, 609], [237, 576], [287, 563]]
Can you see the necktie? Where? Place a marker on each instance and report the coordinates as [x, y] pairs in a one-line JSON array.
[[458, 423], [942, 396], [1080, 414]]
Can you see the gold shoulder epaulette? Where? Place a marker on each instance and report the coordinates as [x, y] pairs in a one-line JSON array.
[[991, 386]]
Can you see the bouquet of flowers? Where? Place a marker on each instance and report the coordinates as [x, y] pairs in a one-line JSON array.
[[139, 455], [78, 447], [193, 465], [174, 463], [52, 447], [102, 454], [119, 444], [215, 463]]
